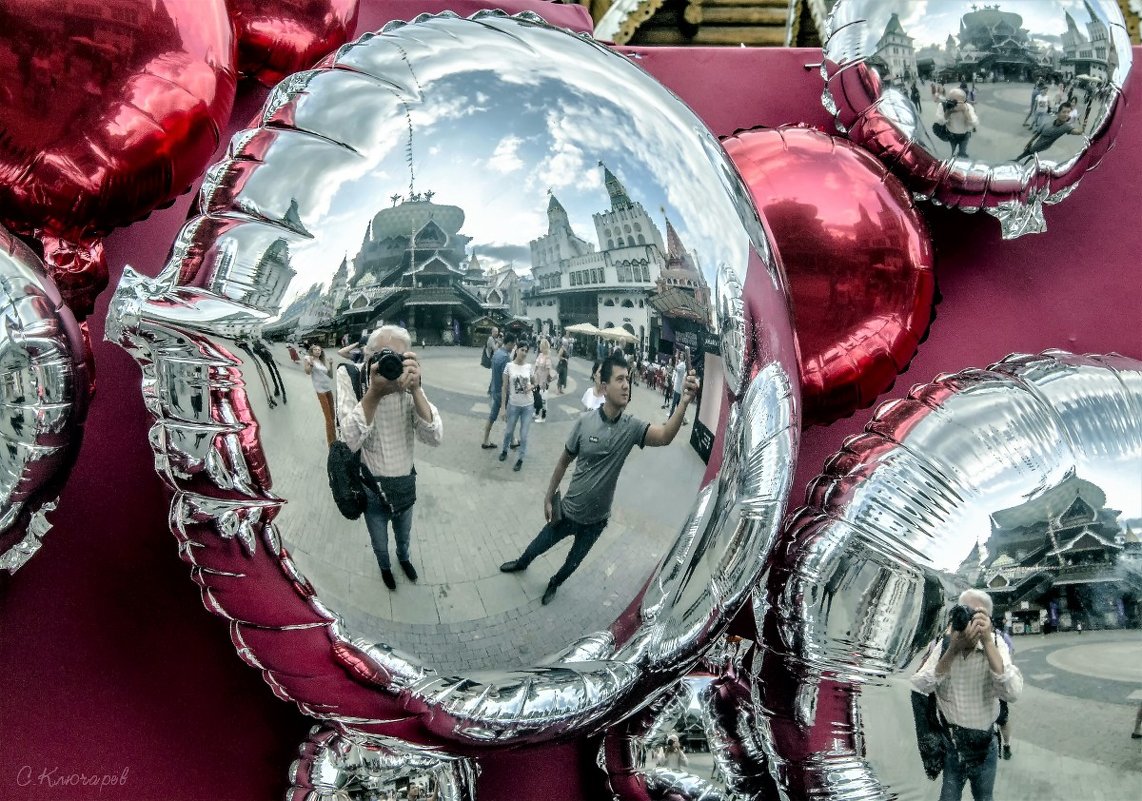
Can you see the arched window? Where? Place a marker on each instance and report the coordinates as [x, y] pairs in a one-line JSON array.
[[637, 227], [629, 328], [621, 244], [610, 244], [641, 239], [628, 304], [608, 302], [641, 304], [627, 228]]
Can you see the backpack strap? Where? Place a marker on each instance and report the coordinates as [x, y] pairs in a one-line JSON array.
[[354, 373]]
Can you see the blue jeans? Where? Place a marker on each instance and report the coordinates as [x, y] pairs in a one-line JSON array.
[[981, 777], [377, 520], [586, 535], [523, 414]]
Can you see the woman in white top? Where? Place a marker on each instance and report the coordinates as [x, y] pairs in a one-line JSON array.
[[543, 372], [320, 372], [593, 398], [518, 385]]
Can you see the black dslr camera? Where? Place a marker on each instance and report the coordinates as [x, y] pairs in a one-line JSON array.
[[390, 364], [961, 616], [949, 105]]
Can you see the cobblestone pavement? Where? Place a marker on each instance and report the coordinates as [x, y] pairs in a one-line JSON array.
[[1070, 730], [473, 513]]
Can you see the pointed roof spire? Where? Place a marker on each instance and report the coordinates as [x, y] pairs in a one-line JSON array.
[[893, 25], [618, 193], [553, 203]]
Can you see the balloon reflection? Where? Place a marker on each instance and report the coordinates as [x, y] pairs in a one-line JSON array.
[[45, 389], [535, 239], [334, 765], [995, 106], [987, 506]]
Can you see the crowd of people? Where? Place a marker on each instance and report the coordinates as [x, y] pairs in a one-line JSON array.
[[376, 405], [1056, 109]]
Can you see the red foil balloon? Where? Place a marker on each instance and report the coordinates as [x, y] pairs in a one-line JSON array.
[[108, 110], [858, 259], [279, 37]]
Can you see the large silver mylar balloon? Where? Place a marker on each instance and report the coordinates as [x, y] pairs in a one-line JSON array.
[[44, 386], [995, 106], [445, 176], [1021, 481]]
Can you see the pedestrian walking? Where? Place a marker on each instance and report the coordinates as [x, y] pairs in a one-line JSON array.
[[517, 385]]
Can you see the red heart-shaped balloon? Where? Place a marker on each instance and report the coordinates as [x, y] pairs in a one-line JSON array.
[[857, 256], [108, 110], [278, 37]]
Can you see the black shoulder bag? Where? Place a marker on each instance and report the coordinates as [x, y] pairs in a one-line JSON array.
[[346, 476]]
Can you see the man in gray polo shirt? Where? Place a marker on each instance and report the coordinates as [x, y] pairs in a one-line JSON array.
[[601, 441]]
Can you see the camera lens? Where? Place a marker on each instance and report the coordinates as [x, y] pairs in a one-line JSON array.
[[389, 365]]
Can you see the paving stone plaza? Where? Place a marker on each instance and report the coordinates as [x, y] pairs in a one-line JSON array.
[[472, 514]]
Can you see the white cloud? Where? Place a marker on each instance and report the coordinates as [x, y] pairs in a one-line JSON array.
[[505, 158]]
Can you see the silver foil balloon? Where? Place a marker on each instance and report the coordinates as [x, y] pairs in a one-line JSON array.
[[646, 757], [373, 189], [1022, 481], [338, 767], [45, 393], [1000, 107], [711, 715]]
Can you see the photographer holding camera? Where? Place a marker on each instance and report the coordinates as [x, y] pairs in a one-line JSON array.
[[969, 672], [392, 410], [959, 119]]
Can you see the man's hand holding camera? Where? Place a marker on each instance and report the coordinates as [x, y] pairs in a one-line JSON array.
[[391, 372]]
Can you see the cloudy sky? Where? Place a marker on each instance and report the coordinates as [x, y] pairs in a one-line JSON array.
[[495, 125]]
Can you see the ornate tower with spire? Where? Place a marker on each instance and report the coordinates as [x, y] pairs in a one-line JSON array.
[[559, 243], [271, 277], [340, 286], [626, 223]]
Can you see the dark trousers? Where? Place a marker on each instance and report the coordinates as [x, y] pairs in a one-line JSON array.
[[586, 535]]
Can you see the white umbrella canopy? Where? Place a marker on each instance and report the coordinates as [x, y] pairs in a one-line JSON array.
[[582, 328], [620, 334]]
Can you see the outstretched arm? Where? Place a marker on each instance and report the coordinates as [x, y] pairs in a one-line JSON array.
[[664, 433]]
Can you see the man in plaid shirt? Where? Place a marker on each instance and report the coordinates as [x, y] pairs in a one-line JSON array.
[[383, 425], [969, 672]]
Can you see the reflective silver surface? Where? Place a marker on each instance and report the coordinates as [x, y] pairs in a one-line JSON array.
[[1023, 481], [43, 390], [1000, 106], [694, 742], [336, 767], [446, 175]]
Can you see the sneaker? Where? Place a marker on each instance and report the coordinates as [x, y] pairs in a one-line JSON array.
[[409, 571], [503, 456], [487, 446], [1006, 751], [518, 465], [1136, 735], [514, 445], [549, 594], [387, 577], [513, 566]]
